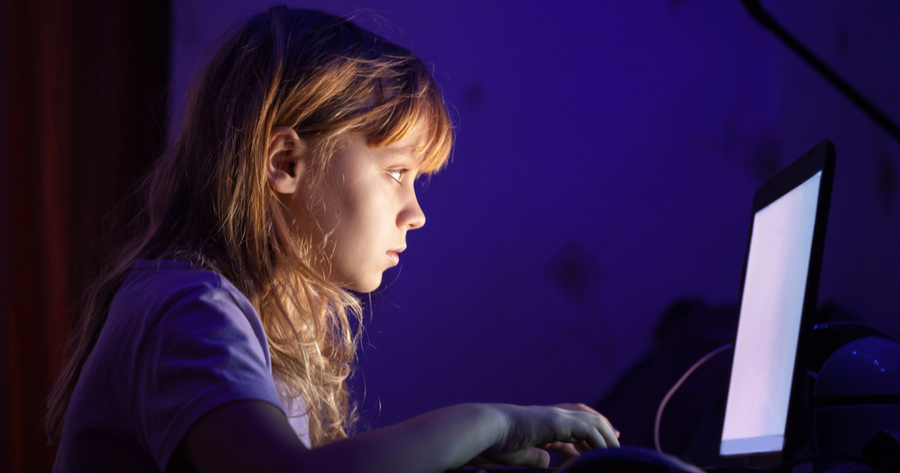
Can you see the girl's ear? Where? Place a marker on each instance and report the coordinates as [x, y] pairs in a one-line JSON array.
[[286, 161]]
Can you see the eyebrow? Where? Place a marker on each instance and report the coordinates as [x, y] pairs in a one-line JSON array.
[[409, 152]]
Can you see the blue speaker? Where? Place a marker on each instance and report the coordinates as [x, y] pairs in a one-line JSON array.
[[857, 397]]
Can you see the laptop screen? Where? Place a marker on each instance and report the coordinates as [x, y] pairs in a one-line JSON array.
[[775, 284]]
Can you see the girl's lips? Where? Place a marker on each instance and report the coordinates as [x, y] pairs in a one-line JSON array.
[[394, 256]]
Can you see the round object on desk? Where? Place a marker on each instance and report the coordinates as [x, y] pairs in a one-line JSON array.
[[865, 367], [857, 395]]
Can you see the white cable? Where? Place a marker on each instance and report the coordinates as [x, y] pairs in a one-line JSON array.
[[662, 405]]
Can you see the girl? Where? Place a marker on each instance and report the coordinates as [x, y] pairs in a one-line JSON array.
[[218, 338]]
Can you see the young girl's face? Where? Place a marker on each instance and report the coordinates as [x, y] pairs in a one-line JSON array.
[[360, 212]]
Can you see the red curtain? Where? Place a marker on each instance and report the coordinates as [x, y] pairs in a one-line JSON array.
[[83, 101]]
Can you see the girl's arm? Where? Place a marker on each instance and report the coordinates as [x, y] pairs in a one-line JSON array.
[[255, 436]]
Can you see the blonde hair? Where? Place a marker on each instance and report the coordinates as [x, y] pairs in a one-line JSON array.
[[208, 201]]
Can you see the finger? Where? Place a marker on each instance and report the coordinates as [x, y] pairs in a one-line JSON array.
[[589, 409], [567, 450], [577, 407], [589, 433], [606, 431], [601, 435], [610, 435], [536, 458], [581, 446], [615, 431]]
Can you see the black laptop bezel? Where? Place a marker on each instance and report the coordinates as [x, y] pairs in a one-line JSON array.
[[821, 158]]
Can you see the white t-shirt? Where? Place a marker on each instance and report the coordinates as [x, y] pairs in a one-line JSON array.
[[179, 341]]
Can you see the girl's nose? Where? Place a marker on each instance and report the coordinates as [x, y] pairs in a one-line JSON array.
[[411, 217]]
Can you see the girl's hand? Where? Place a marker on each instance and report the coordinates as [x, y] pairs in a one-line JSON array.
[[253, 435], [571, 450], [568, 429]]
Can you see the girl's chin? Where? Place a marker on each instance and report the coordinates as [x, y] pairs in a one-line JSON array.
[[370, 287], [364, 286]]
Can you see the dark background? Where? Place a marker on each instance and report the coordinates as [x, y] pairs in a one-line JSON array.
[[606, 159], [83, 100]]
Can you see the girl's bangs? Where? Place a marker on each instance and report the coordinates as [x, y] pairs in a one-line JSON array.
[[404, 112]]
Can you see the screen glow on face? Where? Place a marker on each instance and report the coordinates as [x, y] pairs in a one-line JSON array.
[[769, 324]]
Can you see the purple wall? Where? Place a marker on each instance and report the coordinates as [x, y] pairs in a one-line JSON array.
[[606, 159]]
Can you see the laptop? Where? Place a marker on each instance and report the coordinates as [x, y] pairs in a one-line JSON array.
[[763, 424]]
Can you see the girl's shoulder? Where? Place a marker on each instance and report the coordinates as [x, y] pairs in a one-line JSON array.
[[178, 341], [154, 287], [175, 277]]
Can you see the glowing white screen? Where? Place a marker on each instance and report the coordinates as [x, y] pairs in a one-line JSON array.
[[771, 308]]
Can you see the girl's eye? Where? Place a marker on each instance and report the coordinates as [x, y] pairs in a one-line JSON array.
[[397, 174]]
